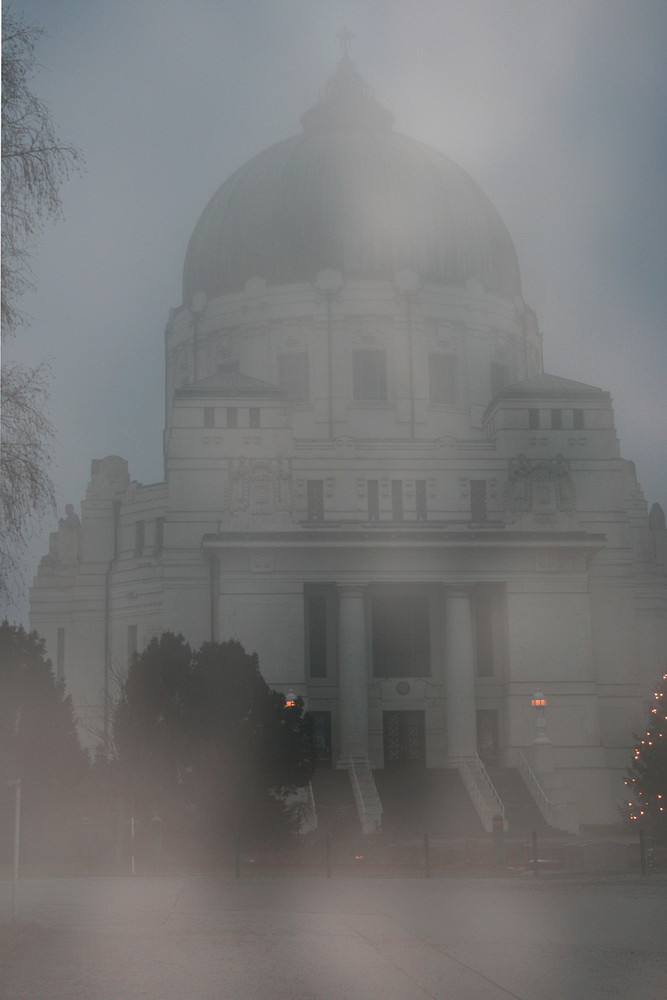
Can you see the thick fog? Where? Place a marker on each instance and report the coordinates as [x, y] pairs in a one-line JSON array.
[[557, 110]]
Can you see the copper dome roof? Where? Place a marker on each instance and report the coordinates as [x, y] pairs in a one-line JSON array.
[[350, 194]]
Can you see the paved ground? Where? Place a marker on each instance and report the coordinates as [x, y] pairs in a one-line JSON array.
[[270, 938]]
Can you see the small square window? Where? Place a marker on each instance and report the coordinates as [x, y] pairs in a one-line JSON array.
[[373, 488], [397, 499], [369, 375], [420, 496]]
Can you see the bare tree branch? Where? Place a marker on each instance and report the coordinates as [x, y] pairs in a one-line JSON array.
[[34, 164], [26, 488]]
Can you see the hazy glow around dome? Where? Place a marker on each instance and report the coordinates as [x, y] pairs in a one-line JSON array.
[[349, 194]]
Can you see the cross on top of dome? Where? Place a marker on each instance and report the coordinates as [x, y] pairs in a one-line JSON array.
[[347, 103], [345, 38]]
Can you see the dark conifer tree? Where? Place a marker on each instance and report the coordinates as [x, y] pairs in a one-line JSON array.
[[39, 745], [206, 744]]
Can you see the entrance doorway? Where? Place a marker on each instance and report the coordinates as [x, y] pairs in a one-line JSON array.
[[488, 741], [404, 739]]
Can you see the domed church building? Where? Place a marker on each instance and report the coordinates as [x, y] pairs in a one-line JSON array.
[[371, 482]]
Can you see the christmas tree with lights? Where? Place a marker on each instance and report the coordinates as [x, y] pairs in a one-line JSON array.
[[646, 782]]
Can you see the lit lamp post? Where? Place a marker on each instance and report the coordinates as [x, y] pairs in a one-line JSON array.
[[543, 751], [539, 704], [290, 699]]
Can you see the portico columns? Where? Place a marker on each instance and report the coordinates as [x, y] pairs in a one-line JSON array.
[[353, 673], [460, 667]]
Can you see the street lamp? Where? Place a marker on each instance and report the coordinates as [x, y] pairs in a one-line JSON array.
[[539, 704], [290, 699]]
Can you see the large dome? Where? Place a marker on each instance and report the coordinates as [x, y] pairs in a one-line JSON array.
[[350, 194]]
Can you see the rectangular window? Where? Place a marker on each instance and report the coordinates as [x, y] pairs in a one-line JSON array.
[[578, 420], [139, 537], [315, 499], [316, 634], [60, 656], [209, 416], [478, 500], [369, 375], [556, 420], [534, 419], [253, 416], [131, 642], [420, 497], [401, 645], [442, 374], [232, 416], [500, 377], [373, 487], [158, 543], [397, 499], [483, 626], [293, 375]]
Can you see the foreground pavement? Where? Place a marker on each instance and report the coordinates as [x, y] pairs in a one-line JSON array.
[[307, 938]]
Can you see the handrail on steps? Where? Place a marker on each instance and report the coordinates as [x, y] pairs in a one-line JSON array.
[[544, 804], [484, 796], [369, 806]]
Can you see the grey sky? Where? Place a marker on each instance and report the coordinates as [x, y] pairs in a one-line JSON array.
[[559, 111]]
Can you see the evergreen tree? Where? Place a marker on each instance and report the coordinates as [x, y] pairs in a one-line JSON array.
[[647, 776], [39, 745], [206, 744]]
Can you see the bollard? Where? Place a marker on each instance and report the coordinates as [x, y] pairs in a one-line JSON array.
[[16, 784], [536, 867], [327, 852], [498, 833], [642, 851], [427, 857]]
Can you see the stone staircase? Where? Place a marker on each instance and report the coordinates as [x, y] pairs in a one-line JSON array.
[[367, 800], [334, 804], [419, 801], [521, 811]]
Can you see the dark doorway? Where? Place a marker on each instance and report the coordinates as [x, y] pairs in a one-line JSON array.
[[322, 737], [488, 741], [404, 740]]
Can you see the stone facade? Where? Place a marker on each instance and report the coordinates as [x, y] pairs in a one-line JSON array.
[[370, 482]]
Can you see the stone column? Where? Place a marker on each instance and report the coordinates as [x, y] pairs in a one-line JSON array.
[[460, 673], [352, 671]]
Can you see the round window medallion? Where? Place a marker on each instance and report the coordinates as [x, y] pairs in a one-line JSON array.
[[402, 687]]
